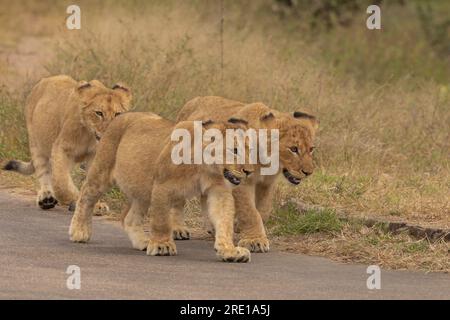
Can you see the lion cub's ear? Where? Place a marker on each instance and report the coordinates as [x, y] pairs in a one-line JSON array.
[[83, 85], [207, 123], [124, 92], [267, 116], [239, 123], [237, 120], [305, 116], [86, 91]]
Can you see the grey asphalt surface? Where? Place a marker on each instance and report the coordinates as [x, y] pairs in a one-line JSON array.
[[35, 252]]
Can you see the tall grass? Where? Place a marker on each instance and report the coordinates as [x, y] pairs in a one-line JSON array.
[[13, 136], [382, 100]]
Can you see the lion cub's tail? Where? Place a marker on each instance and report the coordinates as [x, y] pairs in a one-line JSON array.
[[25, 168]]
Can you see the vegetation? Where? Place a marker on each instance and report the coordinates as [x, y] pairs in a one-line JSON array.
[[289, 222]]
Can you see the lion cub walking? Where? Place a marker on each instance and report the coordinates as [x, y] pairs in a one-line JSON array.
[[65, 118], [136, 154], [296, 143]]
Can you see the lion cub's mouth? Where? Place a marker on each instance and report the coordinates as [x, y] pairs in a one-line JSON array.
[[290, 177], [231, 177]]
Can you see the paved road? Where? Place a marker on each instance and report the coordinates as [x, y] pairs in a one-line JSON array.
[[35, 253]]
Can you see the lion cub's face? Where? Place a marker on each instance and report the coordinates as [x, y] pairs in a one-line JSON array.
[[214, 150], [296, 149], [297, 133], [296, 141], [296, 137], [100, 105], [235, 172]]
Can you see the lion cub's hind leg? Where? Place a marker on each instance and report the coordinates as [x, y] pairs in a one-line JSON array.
[[207, 224], [179, 229], [46, 197], [65, 190], [134, 225], [161, 238]]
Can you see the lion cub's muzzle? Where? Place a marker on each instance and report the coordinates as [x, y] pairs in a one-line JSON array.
[[235, 177], [290, 177]]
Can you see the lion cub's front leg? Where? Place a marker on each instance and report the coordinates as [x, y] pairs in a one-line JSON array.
[[101, 208], [221, 212], [81, 225], [93, 188], [253, 235], [161, 239]]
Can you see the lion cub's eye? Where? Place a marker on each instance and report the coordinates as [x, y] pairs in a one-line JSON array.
[[294, 150], [99, 113], [117, 114]]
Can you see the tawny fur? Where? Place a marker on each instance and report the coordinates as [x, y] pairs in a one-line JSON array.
[[64, 118], [135, 155], [253, 199]]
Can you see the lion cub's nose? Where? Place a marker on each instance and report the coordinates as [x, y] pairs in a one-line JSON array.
[[247, 172]]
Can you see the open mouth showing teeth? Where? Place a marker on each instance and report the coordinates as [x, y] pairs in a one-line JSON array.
[[230, 177], [290, 177]]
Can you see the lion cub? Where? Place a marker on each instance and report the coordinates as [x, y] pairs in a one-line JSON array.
[[136, 153], [65, 118], [254, 198]]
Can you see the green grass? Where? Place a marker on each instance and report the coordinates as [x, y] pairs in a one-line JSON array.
[[403, 244], [416, 247], [287, 221]]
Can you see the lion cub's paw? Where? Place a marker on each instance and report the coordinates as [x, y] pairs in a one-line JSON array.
[[101, 208], [181, 233], [140, 245], [79, 232], [165, 248], [235, 254], [255, 245], [139, 239], [46, 200]]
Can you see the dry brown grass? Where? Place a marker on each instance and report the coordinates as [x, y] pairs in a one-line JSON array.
[[323, 232], [373, 247]]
